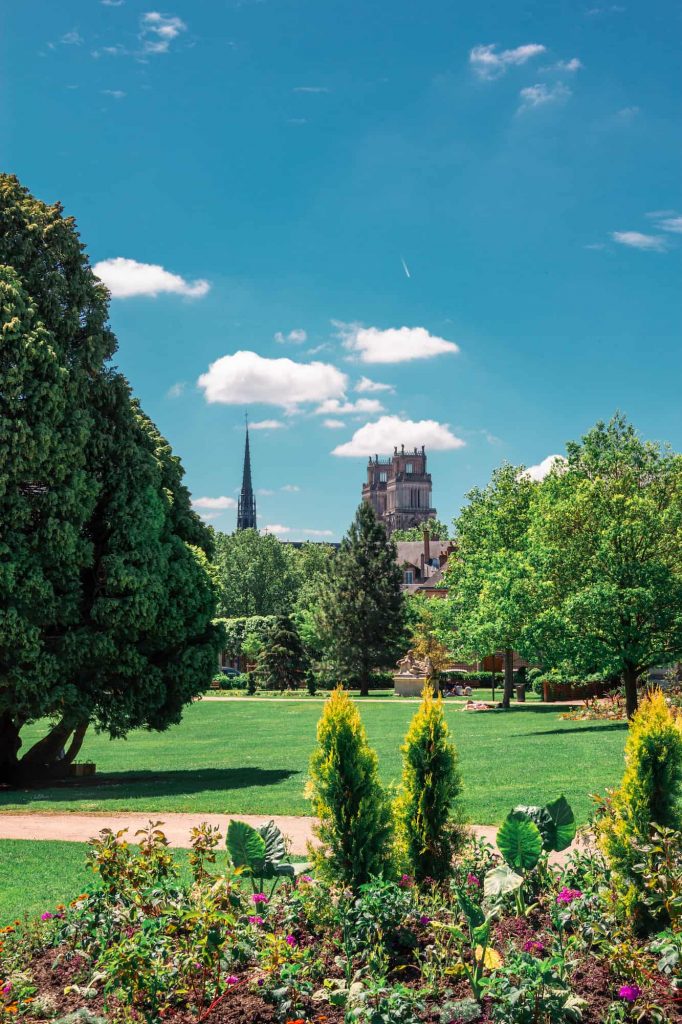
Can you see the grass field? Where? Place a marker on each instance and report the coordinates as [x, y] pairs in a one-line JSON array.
[[243, 757]]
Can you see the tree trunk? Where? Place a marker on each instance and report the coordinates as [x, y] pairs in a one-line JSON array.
[[630, 674], [10, 743], [508, 677], [49, 757]]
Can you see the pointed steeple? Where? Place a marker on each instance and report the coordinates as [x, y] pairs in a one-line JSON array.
[[246, 509]]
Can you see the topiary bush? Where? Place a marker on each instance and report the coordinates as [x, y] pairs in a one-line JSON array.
[[354, 812], [427, 809]]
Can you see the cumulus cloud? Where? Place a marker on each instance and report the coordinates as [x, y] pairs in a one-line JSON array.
[[572, 65], [394, 345], [367, 385], [267, 425], [333, 406], [176, 390], [214, 504], [157, 31], [127, 279], [490, 63], [246, 377], [333, 424], [638, 240], [291, 488], [297, 337], [381, 437], [277, 529], [540, 95], [540, 471]]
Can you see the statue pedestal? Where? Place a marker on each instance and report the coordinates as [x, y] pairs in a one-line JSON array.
[[409, 686]]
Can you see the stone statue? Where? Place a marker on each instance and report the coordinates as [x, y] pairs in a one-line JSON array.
[[412, 666]]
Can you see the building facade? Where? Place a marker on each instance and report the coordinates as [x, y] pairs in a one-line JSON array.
[[399, 489]]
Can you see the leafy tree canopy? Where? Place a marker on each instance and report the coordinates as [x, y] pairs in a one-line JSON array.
[[435, 528]]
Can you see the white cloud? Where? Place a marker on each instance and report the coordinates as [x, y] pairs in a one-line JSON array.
[[267, 425], [540, 471], [394, 345], [246, 377], [637, 240], [297, 337], [126, 279], [263, 492], [157, 31], [302, 532], [488, 63], [311, 88], [627, 114], [291, 488], [574, 64], [368, 406], [367, 385], [381, 437], [72, 38], [214, 504], [176, 390], [112, 3], [333, 424], [672, 224], [540, 95], [116, 94], [277, 529], [316, 533]]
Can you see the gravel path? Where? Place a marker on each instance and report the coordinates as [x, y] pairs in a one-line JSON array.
[[78, 828]]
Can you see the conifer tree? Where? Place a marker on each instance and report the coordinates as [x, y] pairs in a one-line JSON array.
[[427, 809], [281, 665], [361, 610], [354, 812]]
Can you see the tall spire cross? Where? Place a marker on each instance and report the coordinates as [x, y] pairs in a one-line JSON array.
[[246, 507]]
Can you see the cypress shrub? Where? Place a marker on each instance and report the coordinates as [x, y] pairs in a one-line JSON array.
[[355, 826], [428, 813], [648, 793]]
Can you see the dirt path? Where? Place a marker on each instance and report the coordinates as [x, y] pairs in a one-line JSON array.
[[78, 828]]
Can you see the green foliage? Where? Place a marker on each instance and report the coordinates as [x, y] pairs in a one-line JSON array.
[[354, 812], [360, 613], [435, 528], [106, 595], [259, 852], [556, 822], [520, 842], [648, 794], [246, 634], [529, 990], [256, 574], [281, 665], [427, 809]]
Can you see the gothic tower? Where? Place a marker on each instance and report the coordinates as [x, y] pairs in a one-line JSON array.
[[399, 489], [246, 509]]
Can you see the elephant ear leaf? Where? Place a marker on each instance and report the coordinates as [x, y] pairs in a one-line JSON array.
[[275, 851], [246, 846], [520, 842], [563, 821], [499, 881], [542, 818]]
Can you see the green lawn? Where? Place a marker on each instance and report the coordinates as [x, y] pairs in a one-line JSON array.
[[241, 757]]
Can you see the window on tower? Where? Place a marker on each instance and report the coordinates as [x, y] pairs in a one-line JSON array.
[[408, 467]]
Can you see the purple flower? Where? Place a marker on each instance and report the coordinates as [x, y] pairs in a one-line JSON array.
[[629, 993], [406, 881], [534, 946], [304, 878], [260, 897], [261, 982], [290, 940], [255, 919], [473, 880], [424, 920], [47, 916], [568, 895], [231, 980], [7, 989]]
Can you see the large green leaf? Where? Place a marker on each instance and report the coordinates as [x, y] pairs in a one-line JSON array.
[[275, 851], [543, 820], [563, 819], [499, 881], [520, 842], [471, 910], [246, 846]]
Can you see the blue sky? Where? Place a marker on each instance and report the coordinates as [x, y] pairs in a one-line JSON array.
[[476, 205]]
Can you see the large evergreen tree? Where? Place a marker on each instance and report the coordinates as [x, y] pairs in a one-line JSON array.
[[361, 610], [281, 665], [105, 599]]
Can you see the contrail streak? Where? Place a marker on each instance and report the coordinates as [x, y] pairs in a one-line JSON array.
[[407, 272]]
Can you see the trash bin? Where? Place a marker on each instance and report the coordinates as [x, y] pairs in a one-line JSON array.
[[521, 692]]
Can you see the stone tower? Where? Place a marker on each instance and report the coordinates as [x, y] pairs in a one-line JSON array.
[[246, 508], [399, 489]]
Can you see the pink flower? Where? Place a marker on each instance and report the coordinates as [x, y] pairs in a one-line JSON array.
[[473, 880], [7, 989], [260, 897], [255, 919], [406, 881], [231, 980], [290, 940], [304, 878], [568, 895], [629, 993], [47, 916], [424, 920], [533, 946]]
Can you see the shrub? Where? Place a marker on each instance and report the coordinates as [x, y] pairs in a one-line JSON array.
[[647, 795], [431, 784], [355, 815]]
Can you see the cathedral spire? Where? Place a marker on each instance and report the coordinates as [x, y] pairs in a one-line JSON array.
[[246, 510]]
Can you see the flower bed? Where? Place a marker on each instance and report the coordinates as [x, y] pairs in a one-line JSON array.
[[234, 947]]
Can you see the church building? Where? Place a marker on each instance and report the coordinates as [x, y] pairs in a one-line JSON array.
[[399, 489], [246, 506]]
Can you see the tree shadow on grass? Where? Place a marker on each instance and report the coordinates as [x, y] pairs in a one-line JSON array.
[[586, 727], [138, 785]]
